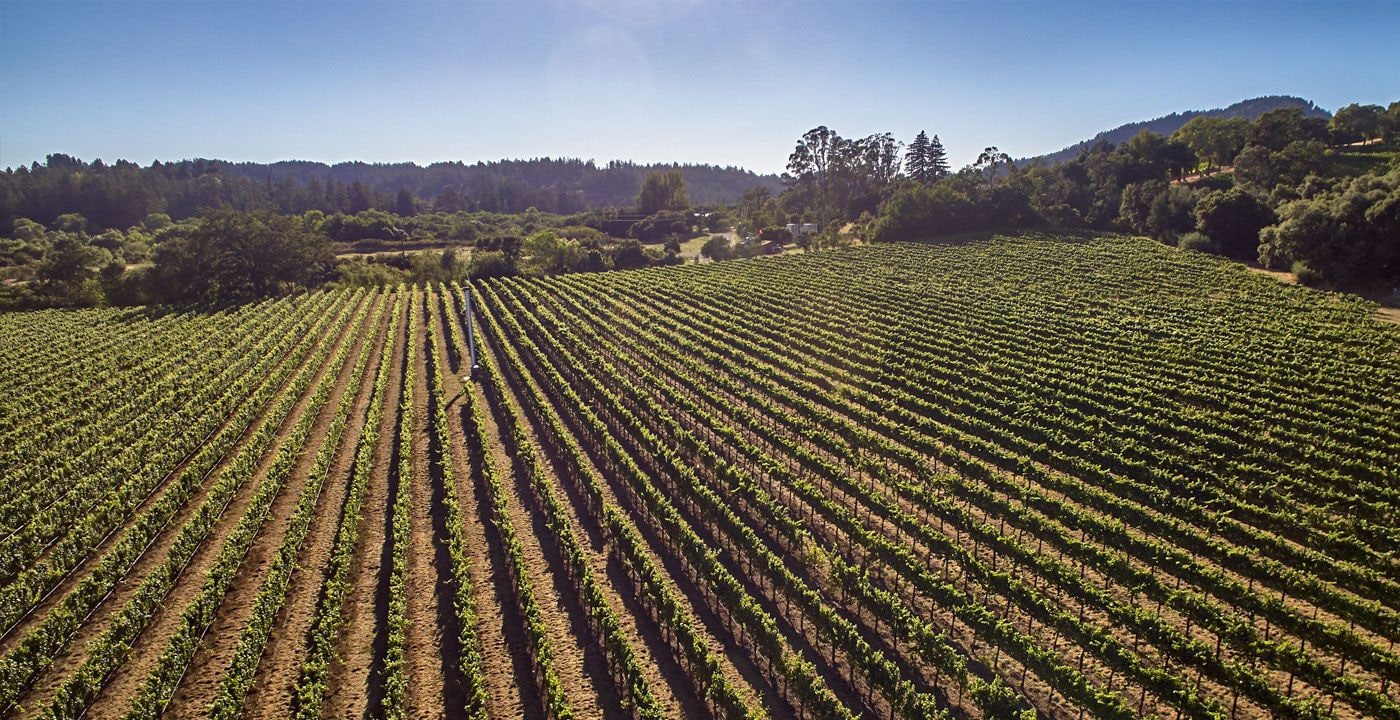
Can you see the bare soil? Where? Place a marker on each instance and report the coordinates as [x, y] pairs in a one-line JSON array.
[[431, 645], [1389, 302], [209, 664], [353, 689], [505, 655], [500, 631], [1197, 177], [583, 673], [270, 697]]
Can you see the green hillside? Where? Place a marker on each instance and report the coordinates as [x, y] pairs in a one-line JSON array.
[[1168, 124]]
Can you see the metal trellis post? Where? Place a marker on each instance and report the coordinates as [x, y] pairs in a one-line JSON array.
[[471, 337]]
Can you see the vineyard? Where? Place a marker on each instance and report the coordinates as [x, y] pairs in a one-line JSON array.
[[1018, 477]]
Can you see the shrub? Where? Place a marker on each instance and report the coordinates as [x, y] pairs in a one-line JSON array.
[[717, 248], [656, 228], [629, 255], [490, 264], [1195, 241], [1233, 219], [360, 273], [1306, 275]]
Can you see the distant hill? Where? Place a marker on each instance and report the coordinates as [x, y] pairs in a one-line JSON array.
[[1169, 124]]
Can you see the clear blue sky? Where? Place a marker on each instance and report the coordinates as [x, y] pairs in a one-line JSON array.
[[729, 82]]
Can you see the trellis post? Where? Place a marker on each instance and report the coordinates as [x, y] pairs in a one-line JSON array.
[[471, 337]]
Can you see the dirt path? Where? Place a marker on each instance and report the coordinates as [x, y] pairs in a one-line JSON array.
[[583, 672], [352, 689], [146, 649], [271, 694], [1389, 310], [500, 628], [1197, 177], [430, 645]]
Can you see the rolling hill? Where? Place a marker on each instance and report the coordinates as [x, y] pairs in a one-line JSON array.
[[1168, 124]]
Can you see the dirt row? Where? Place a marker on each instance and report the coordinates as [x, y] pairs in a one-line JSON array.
[[206, 668], [271, 694], [505, 657], [746, 662], [353, 684], [737, 665], [663, 676], [123, 682], [209, 664]]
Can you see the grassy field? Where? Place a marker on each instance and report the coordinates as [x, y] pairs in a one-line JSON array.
[[1060, 477]]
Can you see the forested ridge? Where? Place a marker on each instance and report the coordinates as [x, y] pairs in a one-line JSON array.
[[120, 195], [1168, 124]]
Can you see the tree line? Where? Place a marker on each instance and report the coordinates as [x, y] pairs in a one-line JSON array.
[[120, 195], [1289, 190]]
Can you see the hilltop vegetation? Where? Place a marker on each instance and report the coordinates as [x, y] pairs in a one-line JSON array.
[[1301, 193], [1290, 189], [1025, 476], [1168, 124]]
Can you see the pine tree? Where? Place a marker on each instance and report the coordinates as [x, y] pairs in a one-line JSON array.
[[916, 159], [938, 158], [926, 161]]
